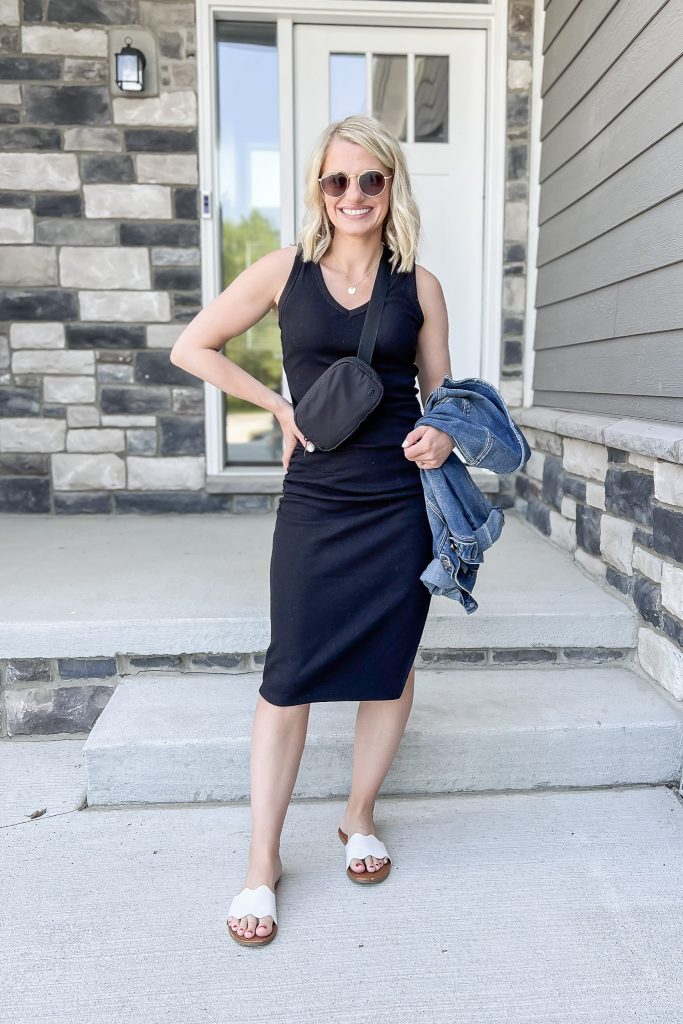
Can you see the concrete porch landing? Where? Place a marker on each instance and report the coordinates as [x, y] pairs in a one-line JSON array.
[[88, 586]]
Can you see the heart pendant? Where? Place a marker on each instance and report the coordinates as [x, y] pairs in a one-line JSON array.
[[352, 290]]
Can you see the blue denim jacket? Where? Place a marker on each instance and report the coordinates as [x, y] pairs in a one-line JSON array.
[[463, 522]]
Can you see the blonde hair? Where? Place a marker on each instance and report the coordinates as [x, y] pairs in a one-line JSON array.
[[401, 228]]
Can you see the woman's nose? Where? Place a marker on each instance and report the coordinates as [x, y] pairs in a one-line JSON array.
[[354, 191]]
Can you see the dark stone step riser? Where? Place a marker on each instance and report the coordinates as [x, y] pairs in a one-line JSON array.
[[67, 695]]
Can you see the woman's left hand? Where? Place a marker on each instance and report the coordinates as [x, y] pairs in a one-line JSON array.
[[428, 446]]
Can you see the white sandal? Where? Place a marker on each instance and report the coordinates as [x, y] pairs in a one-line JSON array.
[[261, 903], [360, 846]]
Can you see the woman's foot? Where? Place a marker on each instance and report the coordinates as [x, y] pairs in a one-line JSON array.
[[364, 823], [262, 872]]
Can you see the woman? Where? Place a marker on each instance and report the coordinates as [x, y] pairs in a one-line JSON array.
[[351, 533]]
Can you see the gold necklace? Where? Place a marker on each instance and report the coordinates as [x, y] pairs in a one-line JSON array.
[[352, 287]]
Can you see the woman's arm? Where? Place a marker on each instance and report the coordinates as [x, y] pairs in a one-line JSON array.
[[433, 359], [426, 445], [242, 304]]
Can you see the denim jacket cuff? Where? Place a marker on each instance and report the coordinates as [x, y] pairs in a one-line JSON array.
[[441, 583], [471, 548]]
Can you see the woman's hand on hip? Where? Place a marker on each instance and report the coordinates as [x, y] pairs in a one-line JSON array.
[[428, 446], [291, 432]]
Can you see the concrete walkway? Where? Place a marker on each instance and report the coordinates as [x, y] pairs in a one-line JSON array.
[[522, 908]]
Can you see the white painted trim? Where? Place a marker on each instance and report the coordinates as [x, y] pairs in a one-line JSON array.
[[534, 201], [285, 52], [357, 12], [493, 17], [209, 241], [494, 192]]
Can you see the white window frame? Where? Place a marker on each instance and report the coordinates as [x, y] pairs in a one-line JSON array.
[[492, 16]]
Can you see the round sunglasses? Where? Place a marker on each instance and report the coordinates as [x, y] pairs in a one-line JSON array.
[[371, 183]]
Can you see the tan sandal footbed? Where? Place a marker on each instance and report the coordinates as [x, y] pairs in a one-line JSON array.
[[365, 877]]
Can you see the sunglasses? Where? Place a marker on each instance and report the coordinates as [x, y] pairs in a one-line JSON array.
[[371, 183]]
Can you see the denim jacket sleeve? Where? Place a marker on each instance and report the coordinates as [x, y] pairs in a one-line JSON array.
[[463, 522]]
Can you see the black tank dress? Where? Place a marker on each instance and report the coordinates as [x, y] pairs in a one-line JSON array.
[[351, 536]]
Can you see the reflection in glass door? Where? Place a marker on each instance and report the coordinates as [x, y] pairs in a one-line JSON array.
[[249, 212]]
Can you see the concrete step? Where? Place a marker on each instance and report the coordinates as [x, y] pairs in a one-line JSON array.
[[169, 585], [186, 738]]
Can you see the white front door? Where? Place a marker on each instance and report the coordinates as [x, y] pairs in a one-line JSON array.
[[429, 87]]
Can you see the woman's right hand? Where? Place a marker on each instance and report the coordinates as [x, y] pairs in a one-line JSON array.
[[291, 432]]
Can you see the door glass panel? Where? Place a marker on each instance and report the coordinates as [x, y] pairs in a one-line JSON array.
[[347, 85], [431, 99], [390, 92], [249, 212]]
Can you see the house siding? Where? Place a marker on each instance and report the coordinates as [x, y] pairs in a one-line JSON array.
[[609, 325]]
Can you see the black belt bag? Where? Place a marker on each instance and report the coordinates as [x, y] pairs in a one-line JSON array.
[[348, 390]]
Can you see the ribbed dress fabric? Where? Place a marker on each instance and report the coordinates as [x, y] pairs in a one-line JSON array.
[[351, 536]]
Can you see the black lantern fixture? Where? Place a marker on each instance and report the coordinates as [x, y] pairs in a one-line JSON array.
[[130, 64]]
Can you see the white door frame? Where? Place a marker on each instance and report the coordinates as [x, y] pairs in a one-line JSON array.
[[529, 354], [490, 16]]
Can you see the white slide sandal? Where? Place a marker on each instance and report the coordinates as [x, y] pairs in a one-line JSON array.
[[261, 903], [360, 846]]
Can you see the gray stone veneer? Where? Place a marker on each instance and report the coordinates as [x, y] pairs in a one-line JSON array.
[[100, 261], [611, 492], [50, 696]]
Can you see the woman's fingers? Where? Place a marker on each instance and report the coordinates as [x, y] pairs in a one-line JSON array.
[[288, 448]]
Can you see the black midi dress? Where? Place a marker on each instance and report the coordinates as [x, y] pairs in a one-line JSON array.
[[351, 535]]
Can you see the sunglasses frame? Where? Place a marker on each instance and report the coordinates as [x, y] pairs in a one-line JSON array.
[[376, 170]]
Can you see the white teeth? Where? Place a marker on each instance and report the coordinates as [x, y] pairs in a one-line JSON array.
[[356, 213]]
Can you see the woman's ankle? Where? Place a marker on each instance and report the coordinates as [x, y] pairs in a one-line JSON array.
[[264, 858]]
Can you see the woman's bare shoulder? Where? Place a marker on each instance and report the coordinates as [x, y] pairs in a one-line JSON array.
[[425, 279], [266, 275], [280, 263], [283, 256], [429, 290]]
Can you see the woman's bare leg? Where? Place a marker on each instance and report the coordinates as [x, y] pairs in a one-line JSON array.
[[277, 743], [380, 725]]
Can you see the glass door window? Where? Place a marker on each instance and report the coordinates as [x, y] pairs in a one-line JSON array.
[[249, 216], [425, 119]]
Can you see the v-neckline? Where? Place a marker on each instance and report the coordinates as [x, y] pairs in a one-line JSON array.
[[330, 297]]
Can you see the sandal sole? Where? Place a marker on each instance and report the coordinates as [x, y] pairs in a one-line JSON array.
[[258, 940]]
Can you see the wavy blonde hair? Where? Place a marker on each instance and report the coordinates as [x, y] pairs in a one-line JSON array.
[[401, 228]]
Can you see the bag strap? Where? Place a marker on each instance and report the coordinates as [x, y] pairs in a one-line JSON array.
[[374, 310]]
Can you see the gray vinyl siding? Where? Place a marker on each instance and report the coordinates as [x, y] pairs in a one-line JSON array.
[[609, 296]]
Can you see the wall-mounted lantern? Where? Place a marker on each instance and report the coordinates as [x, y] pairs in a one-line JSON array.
[[130, 65]]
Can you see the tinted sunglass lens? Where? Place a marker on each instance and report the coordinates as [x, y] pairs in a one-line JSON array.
[[335, 185], [372, 183]]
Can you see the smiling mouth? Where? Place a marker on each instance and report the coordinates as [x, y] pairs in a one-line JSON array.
[[355, 211]]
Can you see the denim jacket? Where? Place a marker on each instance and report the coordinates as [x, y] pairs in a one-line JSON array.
[[463, 522]]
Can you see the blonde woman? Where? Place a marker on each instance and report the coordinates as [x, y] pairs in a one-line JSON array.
[[351, 536]]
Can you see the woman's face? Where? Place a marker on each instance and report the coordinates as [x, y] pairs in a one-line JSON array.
[[372, 210]]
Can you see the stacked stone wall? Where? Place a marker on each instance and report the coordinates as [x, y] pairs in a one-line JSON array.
[[611, 492], [520, 44], [100, 263]]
